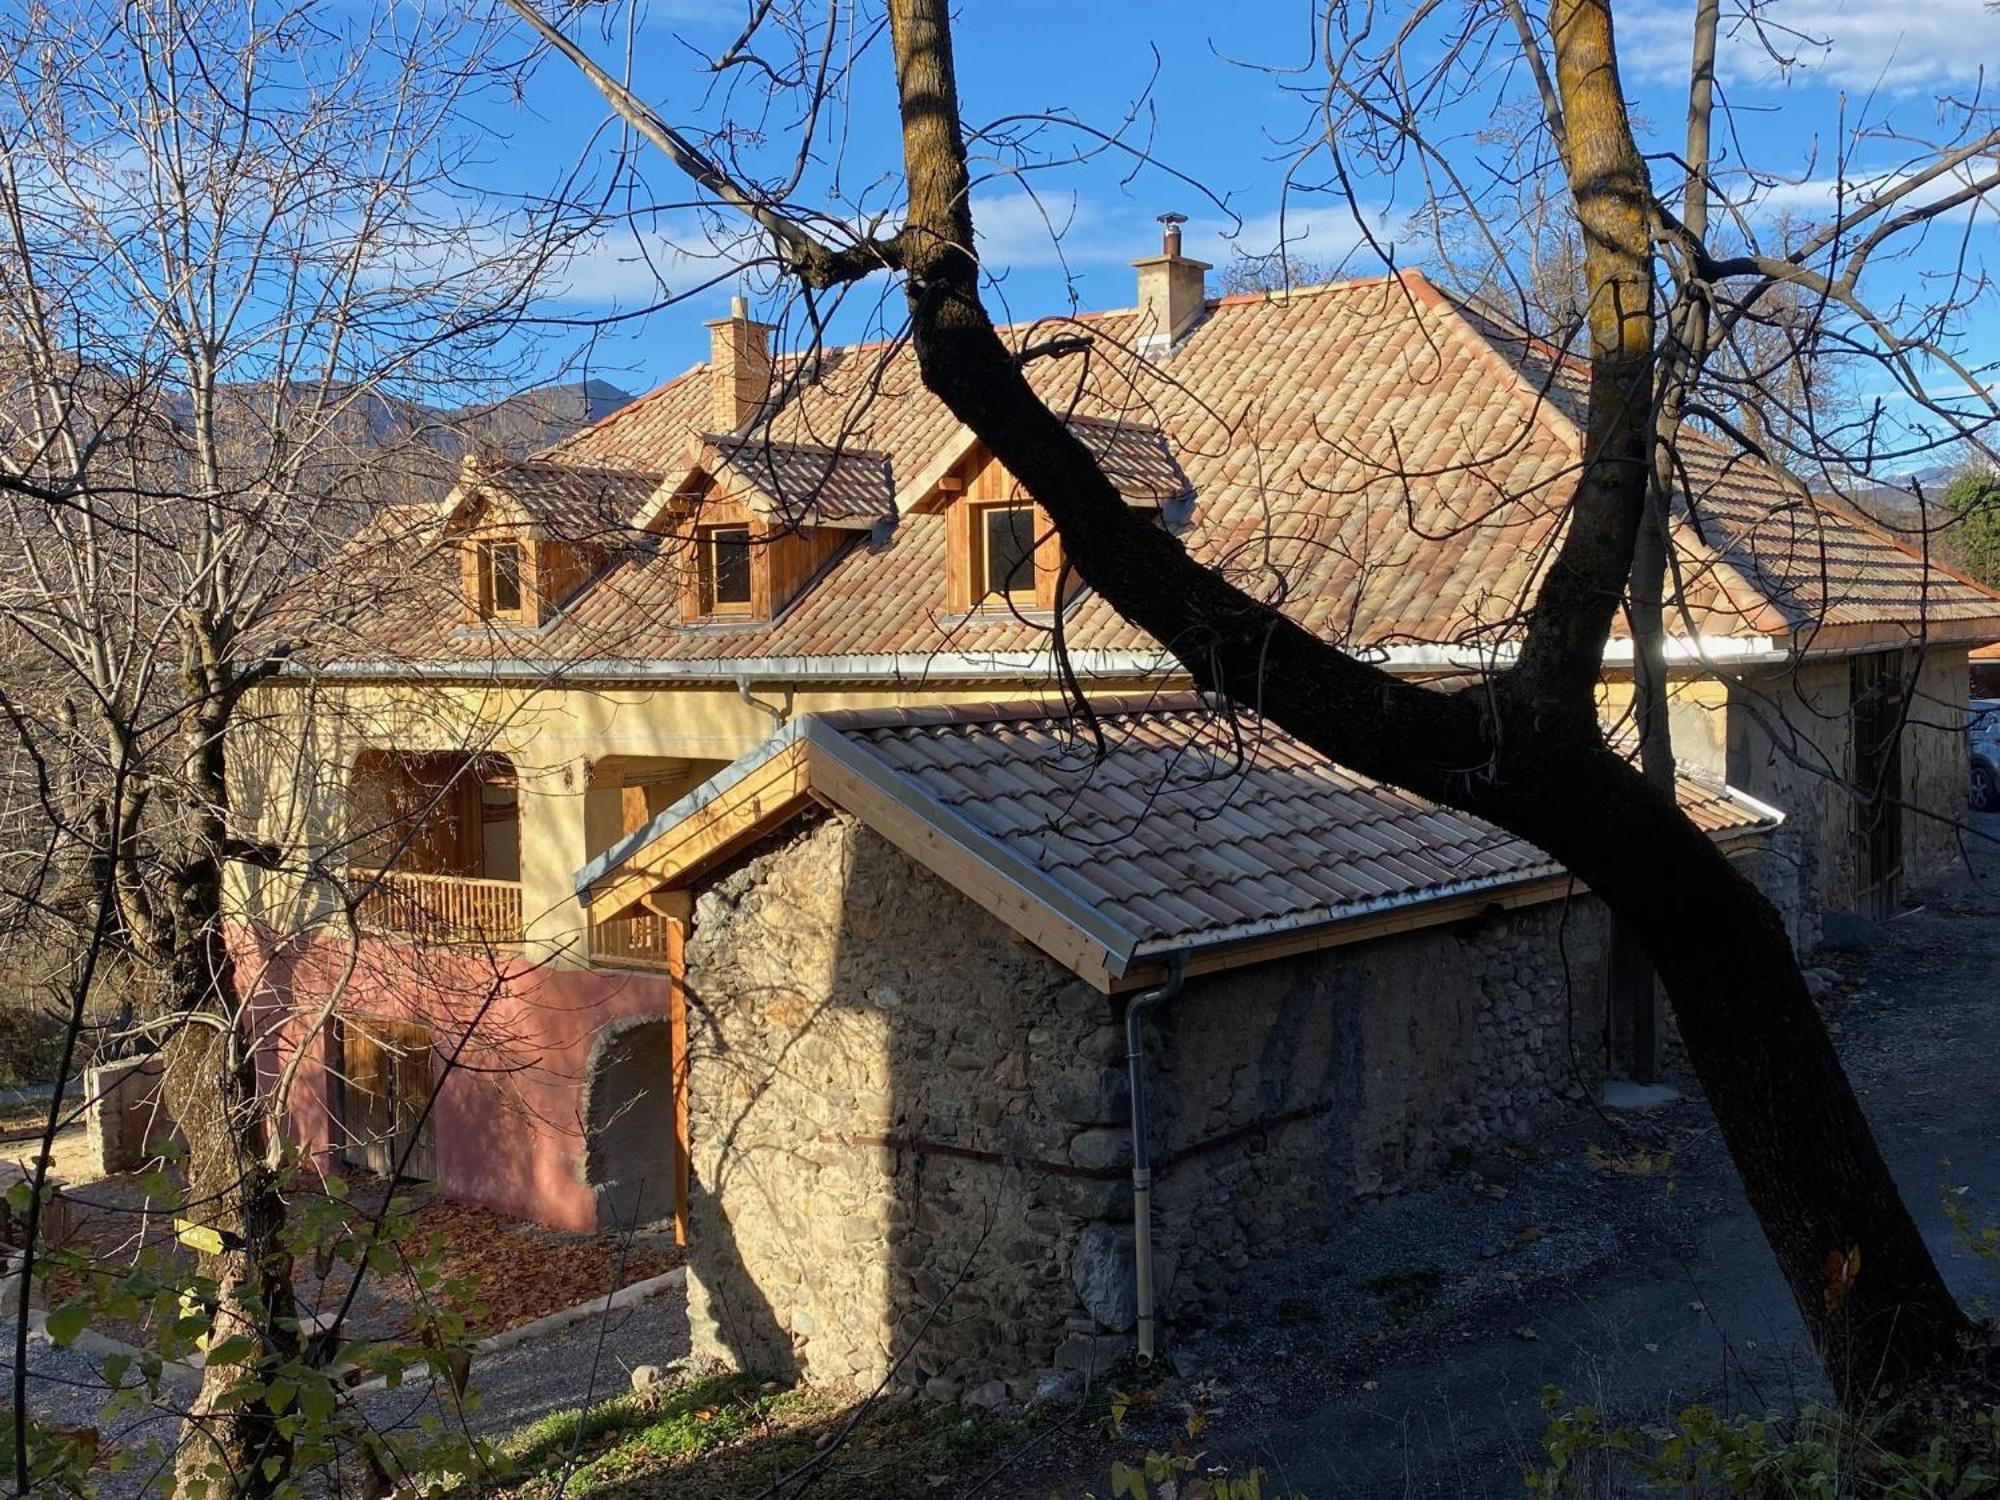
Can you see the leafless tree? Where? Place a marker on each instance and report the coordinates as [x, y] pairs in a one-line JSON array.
[[238, 269], [1671, 275]]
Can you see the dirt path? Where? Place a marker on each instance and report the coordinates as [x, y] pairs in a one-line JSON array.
[[1618, 1261]]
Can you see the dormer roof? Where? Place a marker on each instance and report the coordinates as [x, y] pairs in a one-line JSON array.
[[796, 486], [1136, 456], [544, 497]]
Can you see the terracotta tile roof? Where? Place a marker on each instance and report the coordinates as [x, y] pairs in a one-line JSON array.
[[558, 498], [1178, 830], [805, 484], [1181, 833], [1387, 467], [1137, 458]]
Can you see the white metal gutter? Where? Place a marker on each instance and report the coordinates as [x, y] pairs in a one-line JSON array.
[[952, 665], [900, 665]]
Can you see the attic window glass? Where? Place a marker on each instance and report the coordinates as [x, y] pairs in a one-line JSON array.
[[503, 578], [1006, 541], [725, 569]]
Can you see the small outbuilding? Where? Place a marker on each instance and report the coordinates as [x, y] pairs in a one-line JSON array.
[[911, 943]]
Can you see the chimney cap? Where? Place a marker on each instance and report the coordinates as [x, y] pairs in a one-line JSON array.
[[739, 306]]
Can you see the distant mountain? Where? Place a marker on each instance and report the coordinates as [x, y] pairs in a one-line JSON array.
[[533, 419], [1893, 503]]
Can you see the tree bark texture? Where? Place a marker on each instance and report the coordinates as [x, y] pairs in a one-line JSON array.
[[228, 1448]]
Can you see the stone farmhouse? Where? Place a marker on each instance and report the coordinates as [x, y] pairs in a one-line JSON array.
[[705, 795]]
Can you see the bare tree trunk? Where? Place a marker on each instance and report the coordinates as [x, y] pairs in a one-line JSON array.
[[1526, 748], [236, 1446], [232, 1189]]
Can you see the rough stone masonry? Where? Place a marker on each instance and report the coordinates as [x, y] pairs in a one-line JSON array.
[[910, 1130]]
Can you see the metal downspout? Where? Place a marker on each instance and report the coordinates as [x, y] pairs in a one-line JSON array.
[[777, 714], [1142, 1163]]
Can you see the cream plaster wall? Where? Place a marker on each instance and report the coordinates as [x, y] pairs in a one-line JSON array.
[[294, 761]]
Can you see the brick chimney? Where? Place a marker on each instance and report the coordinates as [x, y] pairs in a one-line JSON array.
[[1171, 291], [739, 369]]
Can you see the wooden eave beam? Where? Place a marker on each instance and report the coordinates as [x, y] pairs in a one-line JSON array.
[[1150, 971], [739, 815]]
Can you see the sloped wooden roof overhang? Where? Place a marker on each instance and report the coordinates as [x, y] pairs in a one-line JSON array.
[[1109, 864]]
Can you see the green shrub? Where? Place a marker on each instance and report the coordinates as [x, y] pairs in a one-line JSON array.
[[1943, 1451]]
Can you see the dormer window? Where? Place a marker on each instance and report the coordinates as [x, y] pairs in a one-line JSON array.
[[1005, 538], [500, 577], [755, 520], [1003, 554], [724, 559], [530, 534]]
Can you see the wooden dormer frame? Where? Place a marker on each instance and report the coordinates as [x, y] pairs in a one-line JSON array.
[[550, 570], [478, 586], [979, 486], [711, 563], [783, 559]]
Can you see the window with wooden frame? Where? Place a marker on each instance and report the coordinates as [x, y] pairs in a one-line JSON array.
[[722, 554], [501, 586], [1003, 561]]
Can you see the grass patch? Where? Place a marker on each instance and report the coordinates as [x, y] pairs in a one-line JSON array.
[[727, 1437], [606, 1445]]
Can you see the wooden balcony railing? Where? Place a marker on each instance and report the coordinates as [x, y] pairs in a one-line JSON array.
[[447, 910], [634, 942]]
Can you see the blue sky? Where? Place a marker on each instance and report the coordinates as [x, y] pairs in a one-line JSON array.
[[1226, 125]]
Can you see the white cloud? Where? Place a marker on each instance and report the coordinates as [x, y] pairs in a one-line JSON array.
[[633, 267], [1896, 45], [1017, 232], [1319, 232], [1819, 199]]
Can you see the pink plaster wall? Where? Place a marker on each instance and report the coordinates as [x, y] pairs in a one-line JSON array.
[[507, 1120]]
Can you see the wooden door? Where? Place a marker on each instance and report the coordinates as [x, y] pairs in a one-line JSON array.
[[386, 1085], [1877, 684]]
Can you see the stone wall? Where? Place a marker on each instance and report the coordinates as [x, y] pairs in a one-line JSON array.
[[894, 1106], [1791, 743], [1935, 769], [848, 1015], [1290, 1089], [125, 1114]]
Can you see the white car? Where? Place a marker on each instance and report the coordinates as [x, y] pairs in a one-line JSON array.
[[1982, 736]]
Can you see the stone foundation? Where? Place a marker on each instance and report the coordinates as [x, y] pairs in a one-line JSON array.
[[910, 1132]]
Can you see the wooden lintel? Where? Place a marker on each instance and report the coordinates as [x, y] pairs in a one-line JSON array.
[[677, 905]]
